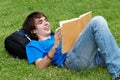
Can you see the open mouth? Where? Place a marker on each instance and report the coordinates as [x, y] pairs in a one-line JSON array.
[[47, 28]]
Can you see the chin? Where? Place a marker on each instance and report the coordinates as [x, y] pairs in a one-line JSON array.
[[49, 32]]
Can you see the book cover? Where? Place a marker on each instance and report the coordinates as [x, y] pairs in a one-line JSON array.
[[70, 30]]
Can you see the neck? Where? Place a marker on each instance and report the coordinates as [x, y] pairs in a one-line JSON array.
[[44, 37]]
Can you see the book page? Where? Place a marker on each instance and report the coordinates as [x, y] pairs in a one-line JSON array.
[[70, 30]]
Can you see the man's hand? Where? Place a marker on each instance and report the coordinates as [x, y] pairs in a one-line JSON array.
[[57, 37]]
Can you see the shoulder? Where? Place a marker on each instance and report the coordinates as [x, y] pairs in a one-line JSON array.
[[44, 43], [32, 43]]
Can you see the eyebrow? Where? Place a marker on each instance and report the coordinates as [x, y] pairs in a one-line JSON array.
[[40, 20]]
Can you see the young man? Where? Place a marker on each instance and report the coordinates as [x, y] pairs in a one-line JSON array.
[[95, 46]]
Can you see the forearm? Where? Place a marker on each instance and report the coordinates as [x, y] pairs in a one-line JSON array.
[[43, 63], [51, 52]]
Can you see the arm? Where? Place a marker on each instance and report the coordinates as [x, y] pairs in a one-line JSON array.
[[44, 62]]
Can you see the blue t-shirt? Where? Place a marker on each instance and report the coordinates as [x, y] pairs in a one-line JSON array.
[[38, 49]]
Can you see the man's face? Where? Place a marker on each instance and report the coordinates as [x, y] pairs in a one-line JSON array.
[[42, 27]]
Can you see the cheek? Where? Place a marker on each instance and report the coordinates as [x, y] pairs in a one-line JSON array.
[[38, 30], [39, 27]]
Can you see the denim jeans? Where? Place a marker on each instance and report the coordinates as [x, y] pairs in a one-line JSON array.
[[95, 46]]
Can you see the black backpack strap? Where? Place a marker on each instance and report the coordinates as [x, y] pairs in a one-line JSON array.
[[22, 33]]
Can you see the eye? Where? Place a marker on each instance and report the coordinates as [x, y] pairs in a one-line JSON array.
[[40, 22], [46, 19]]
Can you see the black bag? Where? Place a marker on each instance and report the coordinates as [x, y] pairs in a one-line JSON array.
[[16, 42]]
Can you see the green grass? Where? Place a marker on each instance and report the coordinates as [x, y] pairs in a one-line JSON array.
[[12, 15]]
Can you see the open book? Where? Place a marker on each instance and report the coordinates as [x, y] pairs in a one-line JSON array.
[[70, 30]]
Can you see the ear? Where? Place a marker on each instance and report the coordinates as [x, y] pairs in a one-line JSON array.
[[33, 31]]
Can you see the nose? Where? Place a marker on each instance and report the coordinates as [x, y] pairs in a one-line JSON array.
[[45, 22]]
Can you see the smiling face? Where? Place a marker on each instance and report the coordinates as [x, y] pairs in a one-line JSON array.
[[42, 28]]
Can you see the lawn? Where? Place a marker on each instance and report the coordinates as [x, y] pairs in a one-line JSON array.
[[12, 15]]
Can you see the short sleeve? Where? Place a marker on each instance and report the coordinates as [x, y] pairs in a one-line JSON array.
[[33, 53]]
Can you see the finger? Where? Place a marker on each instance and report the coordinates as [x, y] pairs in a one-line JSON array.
[[58, 29], [59, 33]]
